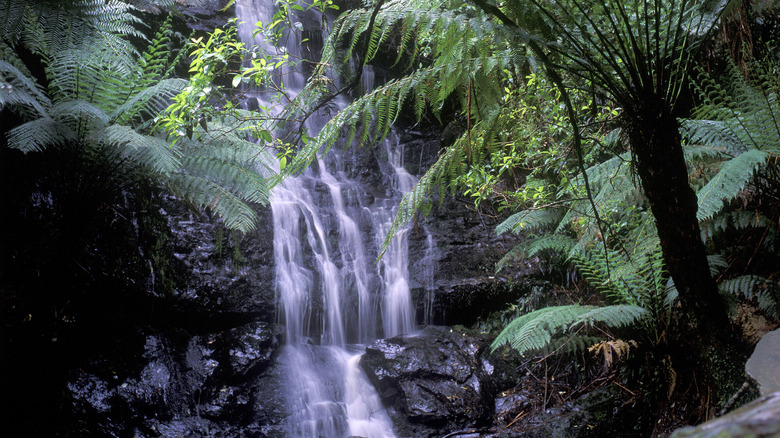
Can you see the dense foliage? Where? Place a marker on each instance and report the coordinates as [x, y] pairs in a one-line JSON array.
[[620, 138], [575, 115]]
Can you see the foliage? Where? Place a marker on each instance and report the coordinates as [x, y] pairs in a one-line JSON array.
[[439, 36], [741, 121], [100, 99], [537, 330]]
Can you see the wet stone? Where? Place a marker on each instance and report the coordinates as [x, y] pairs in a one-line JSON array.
[[432, 382]]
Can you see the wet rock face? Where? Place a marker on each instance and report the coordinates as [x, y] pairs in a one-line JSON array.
[[434, 382], [194, 367], [221, 272], [180, 386]]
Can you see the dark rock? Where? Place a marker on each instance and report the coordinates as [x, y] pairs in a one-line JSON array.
[[253, 348], [433, 382], [215, 265]]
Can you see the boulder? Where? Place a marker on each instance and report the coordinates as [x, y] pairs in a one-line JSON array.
[[759, 419], [763, 363], [433, 382]]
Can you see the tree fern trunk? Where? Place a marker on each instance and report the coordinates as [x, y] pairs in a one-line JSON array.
[[656, 144]]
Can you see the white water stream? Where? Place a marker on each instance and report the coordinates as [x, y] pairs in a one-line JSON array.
[[332, 298]]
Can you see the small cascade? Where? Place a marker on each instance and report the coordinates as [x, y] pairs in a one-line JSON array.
[[329, 227], [429, 282], [397, 313]]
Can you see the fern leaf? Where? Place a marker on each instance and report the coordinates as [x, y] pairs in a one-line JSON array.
[[76, 112], [149, 102], [144, 150], [535, 330], [745, 286], [715, 135], [612, 316], [530, 220], [532, 331], [728, 182], [244, 183], [39, 134], [16, 88], [206, 194]]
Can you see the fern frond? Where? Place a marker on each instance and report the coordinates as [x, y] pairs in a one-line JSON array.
[[237, 179], [145, 150], [223, 143], [534, 331], [745, 286], [148, 102], [553, 242], [717, 264], [19, 89], [89, 73], [714, 134], [733, 176], [736, 220], [530, 220], [612, 316], [763, 291], [76, 112], [37, 135], [156, 59], [205, 194]]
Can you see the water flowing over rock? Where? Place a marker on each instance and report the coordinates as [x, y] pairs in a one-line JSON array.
[[262, 335], [434, 382]]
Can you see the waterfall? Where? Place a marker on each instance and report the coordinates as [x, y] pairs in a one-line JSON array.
[[332, 298]]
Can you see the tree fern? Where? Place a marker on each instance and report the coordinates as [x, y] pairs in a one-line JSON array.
[[20, 92], [530, 220], [203, 193], [141, 149], [40, 134], [102, 101], [734, 175], [743, 120]]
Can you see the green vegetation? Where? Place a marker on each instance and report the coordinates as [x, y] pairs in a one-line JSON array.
[[577, 118], [635, 141], [87, 91]]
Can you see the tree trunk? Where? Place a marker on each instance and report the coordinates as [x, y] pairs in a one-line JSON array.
[[655, 142]]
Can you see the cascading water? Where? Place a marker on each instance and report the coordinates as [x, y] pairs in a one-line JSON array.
[[332, 298]]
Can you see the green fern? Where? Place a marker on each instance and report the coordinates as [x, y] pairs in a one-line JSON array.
[[535, 330], [102, 100], [742, 120], [19, 92], [765, 292], [530, 220], [733, 177], [40, 134]]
